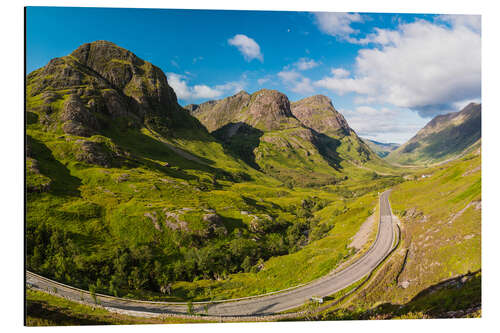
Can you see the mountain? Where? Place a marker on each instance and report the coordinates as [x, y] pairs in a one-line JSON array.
[[283, 139], [101, 84], [382, 149], [318, 113], [444, 137], [129, 194]]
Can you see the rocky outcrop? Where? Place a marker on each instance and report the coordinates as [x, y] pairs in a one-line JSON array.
[[77, 119], [95, 153], [102, 81], [265, 110]]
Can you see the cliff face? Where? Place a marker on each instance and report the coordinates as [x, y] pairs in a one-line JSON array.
[[318, 113], [101, 83]]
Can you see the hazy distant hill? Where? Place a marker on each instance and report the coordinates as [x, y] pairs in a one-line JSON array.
[[444, 137], [380, 148]]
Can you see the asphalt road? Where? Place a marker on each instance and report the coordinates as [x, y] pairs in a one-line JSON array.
[[264, 305]]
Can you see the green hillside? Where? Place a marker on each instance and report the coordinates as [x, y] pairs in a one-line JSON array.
[[445, 137], [436, 271], [283, 139], [128, 194]]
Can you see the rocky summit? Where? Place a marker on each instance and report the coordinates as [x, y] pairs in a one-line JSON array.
[[100, 84], [318, 113]]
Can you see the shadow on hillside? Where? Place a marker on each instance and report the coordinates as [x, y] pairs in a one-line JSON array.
[[147, 150], [447, 299], [327, 147], [62, 182], [240, 140], [39, 312], [454, 140]]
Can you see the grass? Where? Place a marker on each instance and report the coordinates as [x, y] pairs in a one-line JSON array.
[[441, 236], [99, 212], [43, 309]]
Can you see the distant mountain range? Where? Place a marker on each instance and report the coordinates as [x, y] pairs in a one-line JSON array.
[[444, 137], [380, 148]]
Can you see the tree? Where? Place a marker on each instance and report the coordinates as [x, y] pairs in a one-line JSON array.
[[247, 264]]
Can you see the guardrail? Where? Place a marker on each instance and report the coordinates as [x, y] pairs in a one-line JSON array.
[[208, 317]]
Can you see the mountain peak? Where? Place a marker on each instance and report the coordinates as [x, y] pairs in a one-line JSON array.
[[113, 82], [318, 113], [444, 137]]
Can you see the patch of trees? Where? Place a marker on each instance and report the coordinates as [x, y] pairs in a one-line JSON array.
[[119, 268]]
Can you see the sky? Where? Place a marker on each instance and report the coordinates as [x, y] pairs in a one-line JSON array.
[[388, 74]]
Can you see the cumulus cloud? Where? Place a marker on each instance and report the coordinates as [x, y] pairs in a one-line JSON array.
[[304, 64], [185, 92], [263, 80], [472, 22], [247, 46], [382, 124], [424, 66], [337, 24]]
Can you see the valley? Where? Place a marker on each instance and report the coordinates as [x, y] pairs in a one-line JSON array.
[[131, 195]]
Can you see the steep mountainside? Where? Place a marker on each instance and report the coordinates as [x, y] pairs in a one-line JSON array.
[[444, 137], [318, 113], [382, 149]]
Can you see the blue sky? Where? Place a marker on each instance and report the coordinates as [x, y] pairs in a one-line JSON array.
[[387, 73]]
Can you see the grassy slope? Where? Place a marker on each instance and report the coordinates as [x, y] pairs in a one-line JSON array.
[[46, 310], [444, 138], [441, 225]]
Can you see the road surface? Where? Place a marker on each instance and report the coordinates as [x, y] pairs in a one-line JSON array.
[[255, 306]]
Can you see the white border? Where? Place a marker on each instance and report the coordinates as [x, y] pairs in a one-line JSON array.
[[12, 157]]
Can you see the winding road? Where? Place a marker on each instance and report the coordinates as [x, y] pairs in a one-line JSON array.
[[252, 306]]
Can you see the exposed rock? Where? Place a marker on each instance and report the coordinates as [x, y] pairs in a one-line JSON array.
[[215, 223], [405, 284], [318, 113], [212, 218], [122, 178], [152, 216], [77, 119], [94, 153], [173, 221]]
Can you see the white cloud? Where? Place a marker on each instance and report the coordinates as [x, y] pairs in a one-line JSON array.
[[304, 64], [337, 24], [340, 72], [472, 22], [296, 81], [289, 76], [422, 66], [247, 46], [200, 91], [383, 124]]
